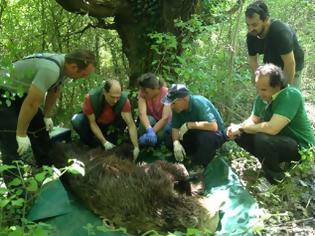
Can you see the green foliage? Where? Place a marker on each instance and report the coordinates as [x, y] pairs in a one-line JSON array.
[[209, 63], [16, 200], [304, 26], [29, 27], [150, 154], [164, 46], [107, 227], [291, 200]]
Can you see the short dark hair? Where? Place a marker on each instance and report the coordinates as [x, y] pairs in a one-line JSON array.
[[81, 57], [258, 7], [275, 73], [150, 80]]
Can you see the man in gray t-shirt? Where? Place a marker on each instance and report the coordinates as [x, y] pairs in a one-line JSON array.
[[35, 79]]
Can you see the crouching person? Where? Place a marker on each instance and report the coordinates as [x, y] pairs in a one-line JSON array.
[[278, 125], [197, 126], [155, 127], [106, 112], [34, 80]]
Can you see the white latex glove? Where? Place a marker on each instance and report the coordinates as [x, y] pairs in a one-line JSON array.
[[233, 131], [182, 130], [179, 151], [108, 145], [23, 144], [135, 152], [48, 123]]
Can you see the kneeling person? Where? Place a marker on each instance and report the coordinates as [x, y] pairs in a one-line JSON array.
[[278, 125], [197, 123], [103, 108], [154, 127]]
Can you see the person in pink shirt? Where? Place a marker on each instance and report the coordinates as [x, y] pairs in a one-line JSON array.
[[154, 116]]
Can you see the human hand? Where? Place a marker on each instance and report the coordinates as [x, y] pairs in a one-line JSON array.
[[233, 131], [23, 144], [143, 139], [135, 153], [182, 130], [48, 123], [108, 145], [179, 151], [151, 136]]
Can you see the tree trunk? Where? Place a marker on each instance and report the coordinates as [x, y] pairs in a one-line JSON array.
[[134, 19]]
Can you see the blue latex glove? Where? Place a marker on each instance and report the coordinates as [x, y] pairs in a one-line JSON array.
[[151, 136], [143, 140]]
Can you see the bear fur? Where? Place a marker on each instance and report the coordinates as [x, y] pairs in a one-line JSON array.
[[140, 197]]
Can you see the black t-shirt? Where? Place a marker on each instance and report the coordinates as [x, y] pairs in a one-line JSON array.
[[279, 40]]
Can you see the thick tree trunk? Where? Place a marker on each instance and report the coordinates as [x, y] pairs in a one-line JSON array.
[[133, 21]]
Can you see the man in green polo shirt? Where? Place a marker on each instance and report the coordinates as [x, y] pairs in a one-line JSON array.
[[278, 125], [197, 126]]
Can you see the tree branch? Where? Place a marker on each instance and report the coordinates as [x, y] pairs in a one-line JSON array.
[[99, 24]]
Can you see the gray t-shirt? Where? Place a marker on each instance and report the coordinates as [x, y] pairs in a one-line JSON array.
[[40, 72]]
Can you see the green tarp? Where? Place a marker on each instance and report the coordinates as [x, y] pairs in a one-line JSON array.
[[240, 211], [57, 207]]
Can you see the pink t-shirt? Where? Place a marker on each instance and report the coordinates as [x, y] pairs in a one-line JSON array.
[[154, 106]]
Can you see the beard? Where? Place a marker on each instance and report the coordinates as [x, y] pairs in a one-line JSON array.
[[261, 34]]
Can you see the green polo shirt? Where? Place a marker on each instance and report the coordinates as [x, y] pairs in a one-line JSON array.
[[288, 103], [199, 109]]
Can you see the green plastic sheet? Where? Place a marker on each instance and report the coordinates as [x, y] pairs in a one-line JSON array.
[[240, 212], [69, 217], [57, 207]]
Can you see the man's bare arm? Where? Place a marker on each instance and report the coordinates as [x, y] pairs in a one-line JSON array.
[[28, 110]]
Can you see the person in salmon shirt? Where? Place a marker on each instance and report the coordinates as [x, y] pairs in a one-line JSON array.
[[106, 113], [154, 116]]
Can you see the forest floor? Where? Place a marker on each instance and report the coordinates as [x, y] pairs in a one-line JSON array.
[[289, 207]]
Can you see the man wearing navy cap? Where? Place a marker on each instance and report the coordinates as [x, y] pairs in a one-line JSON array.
[[197, 126]]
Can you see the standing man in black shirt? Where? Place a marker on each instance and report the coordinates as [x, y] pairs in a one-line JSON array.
[[275, 39]]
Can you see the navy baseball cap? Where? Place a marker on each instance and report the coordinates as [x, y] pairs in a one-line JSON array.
[[174, 92]]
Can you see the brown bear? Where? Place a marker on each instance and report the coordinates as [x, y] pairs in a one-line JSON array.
[[139, 197]]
